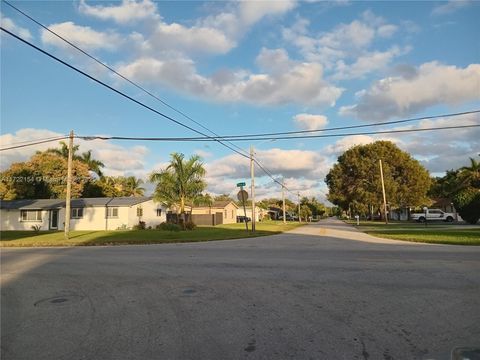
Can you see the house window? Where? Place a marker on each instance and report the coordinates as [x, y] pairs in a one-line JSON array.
[[112, 212], [139, 212], [77, 213], [232, 215], [225, 212], [159, 212], [31, 215]]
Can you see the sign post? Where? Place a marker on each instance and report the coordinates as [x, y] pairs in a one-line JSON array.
[[242, 196]]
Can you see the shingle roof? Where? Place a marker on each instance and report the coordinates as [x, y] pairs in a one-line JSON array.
[[218, 204], [83, 202]]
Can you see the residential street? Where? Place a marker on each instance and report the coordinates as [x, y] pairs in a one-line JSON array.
[[322, 291]]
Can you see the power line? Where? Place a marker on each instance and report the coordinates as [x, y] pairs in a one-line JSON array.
[[29, 141], [352, 126], [33, 143], [206, 139], [116, 72], [116, 90]]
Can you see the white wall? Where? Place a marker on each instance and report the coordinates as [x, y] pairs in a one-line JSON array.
[[10, 220], [149, 214], [93, 218]]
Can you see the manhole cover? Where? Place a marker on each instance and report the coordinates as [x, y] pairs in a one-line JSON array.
[[59, 300]]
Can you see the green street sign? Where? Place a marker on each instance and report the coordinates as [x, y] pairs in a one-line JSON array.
[[240, 184]]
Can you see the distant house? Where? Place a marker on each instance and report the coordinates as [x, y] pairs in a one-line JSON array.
[[86, 213], [225, 212], [260, 214]]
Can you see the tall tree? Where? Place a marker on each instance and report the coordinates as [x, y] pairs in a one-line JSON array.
[[470, 175], [63, 151], [354, 181], [133, 186], [93, 164], [44, 176], [180, 182]]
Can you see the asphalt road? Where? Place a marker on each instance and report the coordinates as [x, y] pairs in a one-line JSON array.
[[319, 292]]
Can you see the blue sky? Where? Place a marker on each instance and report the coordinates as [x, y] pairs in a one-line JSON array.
[[245, 67]]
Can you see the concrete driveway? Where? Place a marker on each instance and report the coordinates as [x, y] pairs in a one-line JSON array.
[[321, 291]]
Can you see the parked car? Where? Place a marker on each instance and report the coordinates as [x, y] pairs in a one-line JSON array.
[[433, 215], [241, 219]]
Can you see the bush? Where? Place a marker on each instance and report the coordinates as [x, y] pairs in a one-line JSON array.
[[190, 225], [140, 226], [168, 227], [467, 203]]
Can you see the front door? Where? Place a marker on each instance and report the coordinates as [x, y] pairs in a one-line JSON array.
[[54, 219]]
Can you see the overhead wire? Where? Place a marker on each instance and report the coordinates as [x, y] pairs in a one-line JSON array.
[[33, 143], [118, 73], [115, 90], [208, 139]]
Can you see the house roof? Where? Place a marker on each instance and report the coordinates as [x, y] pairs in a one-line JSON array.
[[218, 204], [75, 203]]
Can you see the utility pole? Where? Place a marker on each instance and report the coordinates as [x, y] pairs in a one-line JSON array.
[[69, 185], [252, 175], [383, 191], [283, 199], [299, 217]]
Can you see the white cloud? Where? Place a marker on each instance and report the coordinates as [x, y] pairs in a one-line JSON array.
[[431, 84], [287, 163], [367, 63], [310, 122], [345, 49], [450, 7], [301, 83], [127, 12], [188, 39], [10, 25], [251, 12], [118, 160], [82, 36]]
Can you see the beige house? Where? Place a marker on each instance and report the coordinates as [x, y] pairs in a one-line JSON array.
[[227, 210], [86, 213]]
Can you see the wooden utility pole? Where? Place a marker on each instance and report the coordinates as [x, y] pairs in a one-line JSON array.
[[283, 199], [299, 217], [383, 191], [69, 185], [252, 189]]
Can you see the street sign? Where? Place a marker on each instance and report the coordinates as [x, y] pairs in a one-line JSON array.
[[242, 195], [240, 184]]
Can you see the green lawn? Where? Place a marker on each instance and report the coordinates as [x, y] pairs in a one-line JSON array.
[[122, 237], [438, 233]]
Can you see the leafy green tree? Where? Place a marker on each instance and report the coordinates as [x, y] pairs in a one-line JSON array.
[[44, 176], [305, 212], [470, 175], [354, 181], [180, 182]]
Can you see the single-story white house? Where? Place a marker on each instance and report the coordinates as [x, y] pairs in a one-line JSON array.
[[86, 213]]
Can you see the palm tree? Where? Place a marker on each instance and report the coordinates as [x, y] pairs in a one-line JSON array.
[[132, 186], [470, 175], [93, 165], [204, 200], [63, 151], [180, 182]]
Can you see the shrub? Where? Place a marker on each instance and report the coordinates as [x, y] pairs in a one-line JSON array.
[[168, 227], [190, 225], [140, 226], [467, 203]]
